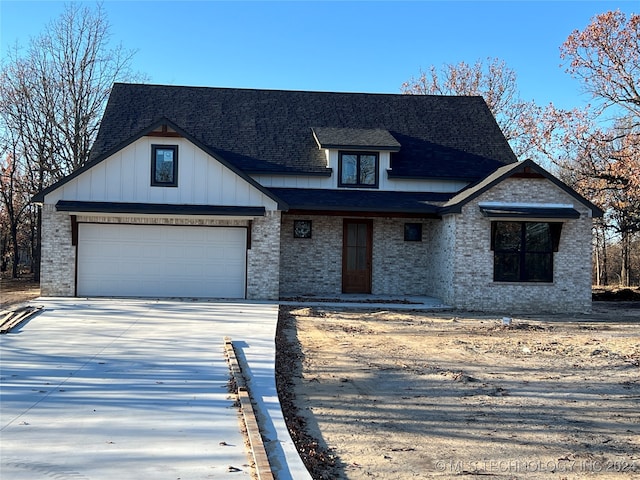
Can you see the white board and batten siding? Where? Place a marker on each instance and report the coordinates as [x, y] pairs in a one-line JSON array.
[[385, 183], [126, 177]]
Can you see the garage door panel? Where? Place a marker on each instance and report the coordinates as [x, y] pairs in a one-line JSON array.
[[161, 261]]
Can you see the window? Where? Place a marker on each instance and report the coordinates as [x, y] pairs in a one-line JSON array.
[[164, 165], [302, 229], [412, 232], [358, 169], [523, 251]]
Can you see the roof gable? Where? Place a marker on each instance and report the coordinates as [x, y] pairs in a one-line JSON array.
[[526, 167], [164, 123]]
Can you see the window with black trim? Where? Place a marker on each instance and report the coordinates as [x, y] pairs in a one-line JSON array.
[[164, 165], [523, 251], [412, 232], [358, 169]]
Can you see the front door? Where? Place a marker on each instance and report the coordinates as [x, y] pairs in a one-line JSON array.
[[356, 256]]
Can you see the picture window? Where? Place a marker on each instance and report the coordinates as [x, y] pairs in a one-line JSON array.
[[523, 251]]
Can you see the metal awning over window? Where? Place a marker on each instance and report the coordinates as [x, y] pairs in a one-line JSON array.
[[529, 212]]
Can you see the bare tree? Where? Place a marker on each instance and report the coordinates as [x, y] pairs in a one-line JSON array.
[[595, 149], [14, 201], [605, 56], [495, 82], [52, 95]]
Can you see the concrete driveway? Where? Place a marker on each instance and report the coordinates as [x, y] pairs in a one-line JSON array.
[[136, 389]]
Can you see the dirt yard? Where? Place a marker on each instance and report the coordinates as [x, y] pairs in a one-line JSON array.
[[421, 395], [415, 395], [14, 291]]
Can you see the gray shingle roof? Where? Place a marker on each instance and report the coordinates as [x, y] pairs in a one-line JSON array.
[[309, 199], [269, 131], [356, 138]]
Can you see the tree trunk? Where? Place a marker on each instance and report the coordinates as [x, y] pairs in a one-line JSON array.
[[605, 272], [4, 253], [16, 250], [625, 270], [597, 260]]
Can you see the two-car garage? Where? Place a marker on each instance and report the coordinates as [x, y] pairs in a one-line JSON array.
[[128, 260]]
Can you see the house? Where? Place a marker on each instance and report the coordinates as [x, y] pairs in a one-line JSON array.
[[260, 194]]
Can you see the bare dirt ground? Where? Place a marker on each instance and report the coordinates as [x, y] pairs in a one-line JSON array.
[[14, 291], [413, 395]]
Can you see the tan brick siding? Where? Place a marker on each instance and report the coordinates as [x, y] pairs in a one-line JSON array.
[[263, 258], [58, 266], [453, 262], [474, 287], [313, 266], [399, 267]]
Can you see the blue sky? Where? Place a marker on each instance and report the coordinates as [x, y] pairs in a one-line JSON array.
[[367, 46]]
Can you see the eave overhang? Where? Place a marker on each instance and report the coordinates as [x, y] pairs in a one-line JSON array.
[[157, 209], [362, 202]]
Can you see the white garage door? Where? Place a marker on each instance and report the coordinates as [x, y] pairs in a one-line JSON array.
[[161, 261]]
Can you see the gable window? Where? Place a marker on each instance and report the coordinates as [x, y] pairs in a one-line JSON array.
[[164, 165], [358, 169], [523, 251]]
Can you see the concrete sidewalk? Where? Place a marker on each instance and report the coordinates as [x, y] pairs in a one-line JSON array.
[[137, 389]]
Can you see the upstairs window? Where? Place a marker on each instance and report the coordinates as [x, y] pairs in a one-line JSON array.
[[164, 165], [523, 251], [358, 169]]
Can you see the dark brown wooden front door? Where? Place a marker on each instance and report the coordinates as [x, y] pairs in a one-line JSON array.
[[356, 256]]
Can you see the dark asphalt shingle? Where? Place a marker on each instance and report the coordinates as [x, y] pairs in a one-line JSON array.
[[345, 138], [269, 131], [419, 203]]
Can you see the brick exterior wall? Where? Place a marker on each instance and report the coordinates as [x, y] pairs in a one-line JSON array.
[[58, 266], [441, 275], [474, 288], [454, 261], [263, 258], [399, 267], [313, 266], [59, 256]]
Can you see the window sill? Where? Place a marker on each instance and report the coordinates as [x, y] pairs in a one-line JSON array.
[[527, 284]]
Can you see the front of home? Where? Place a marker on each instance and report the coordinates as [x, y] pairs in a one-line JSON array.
[[263, 194]]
